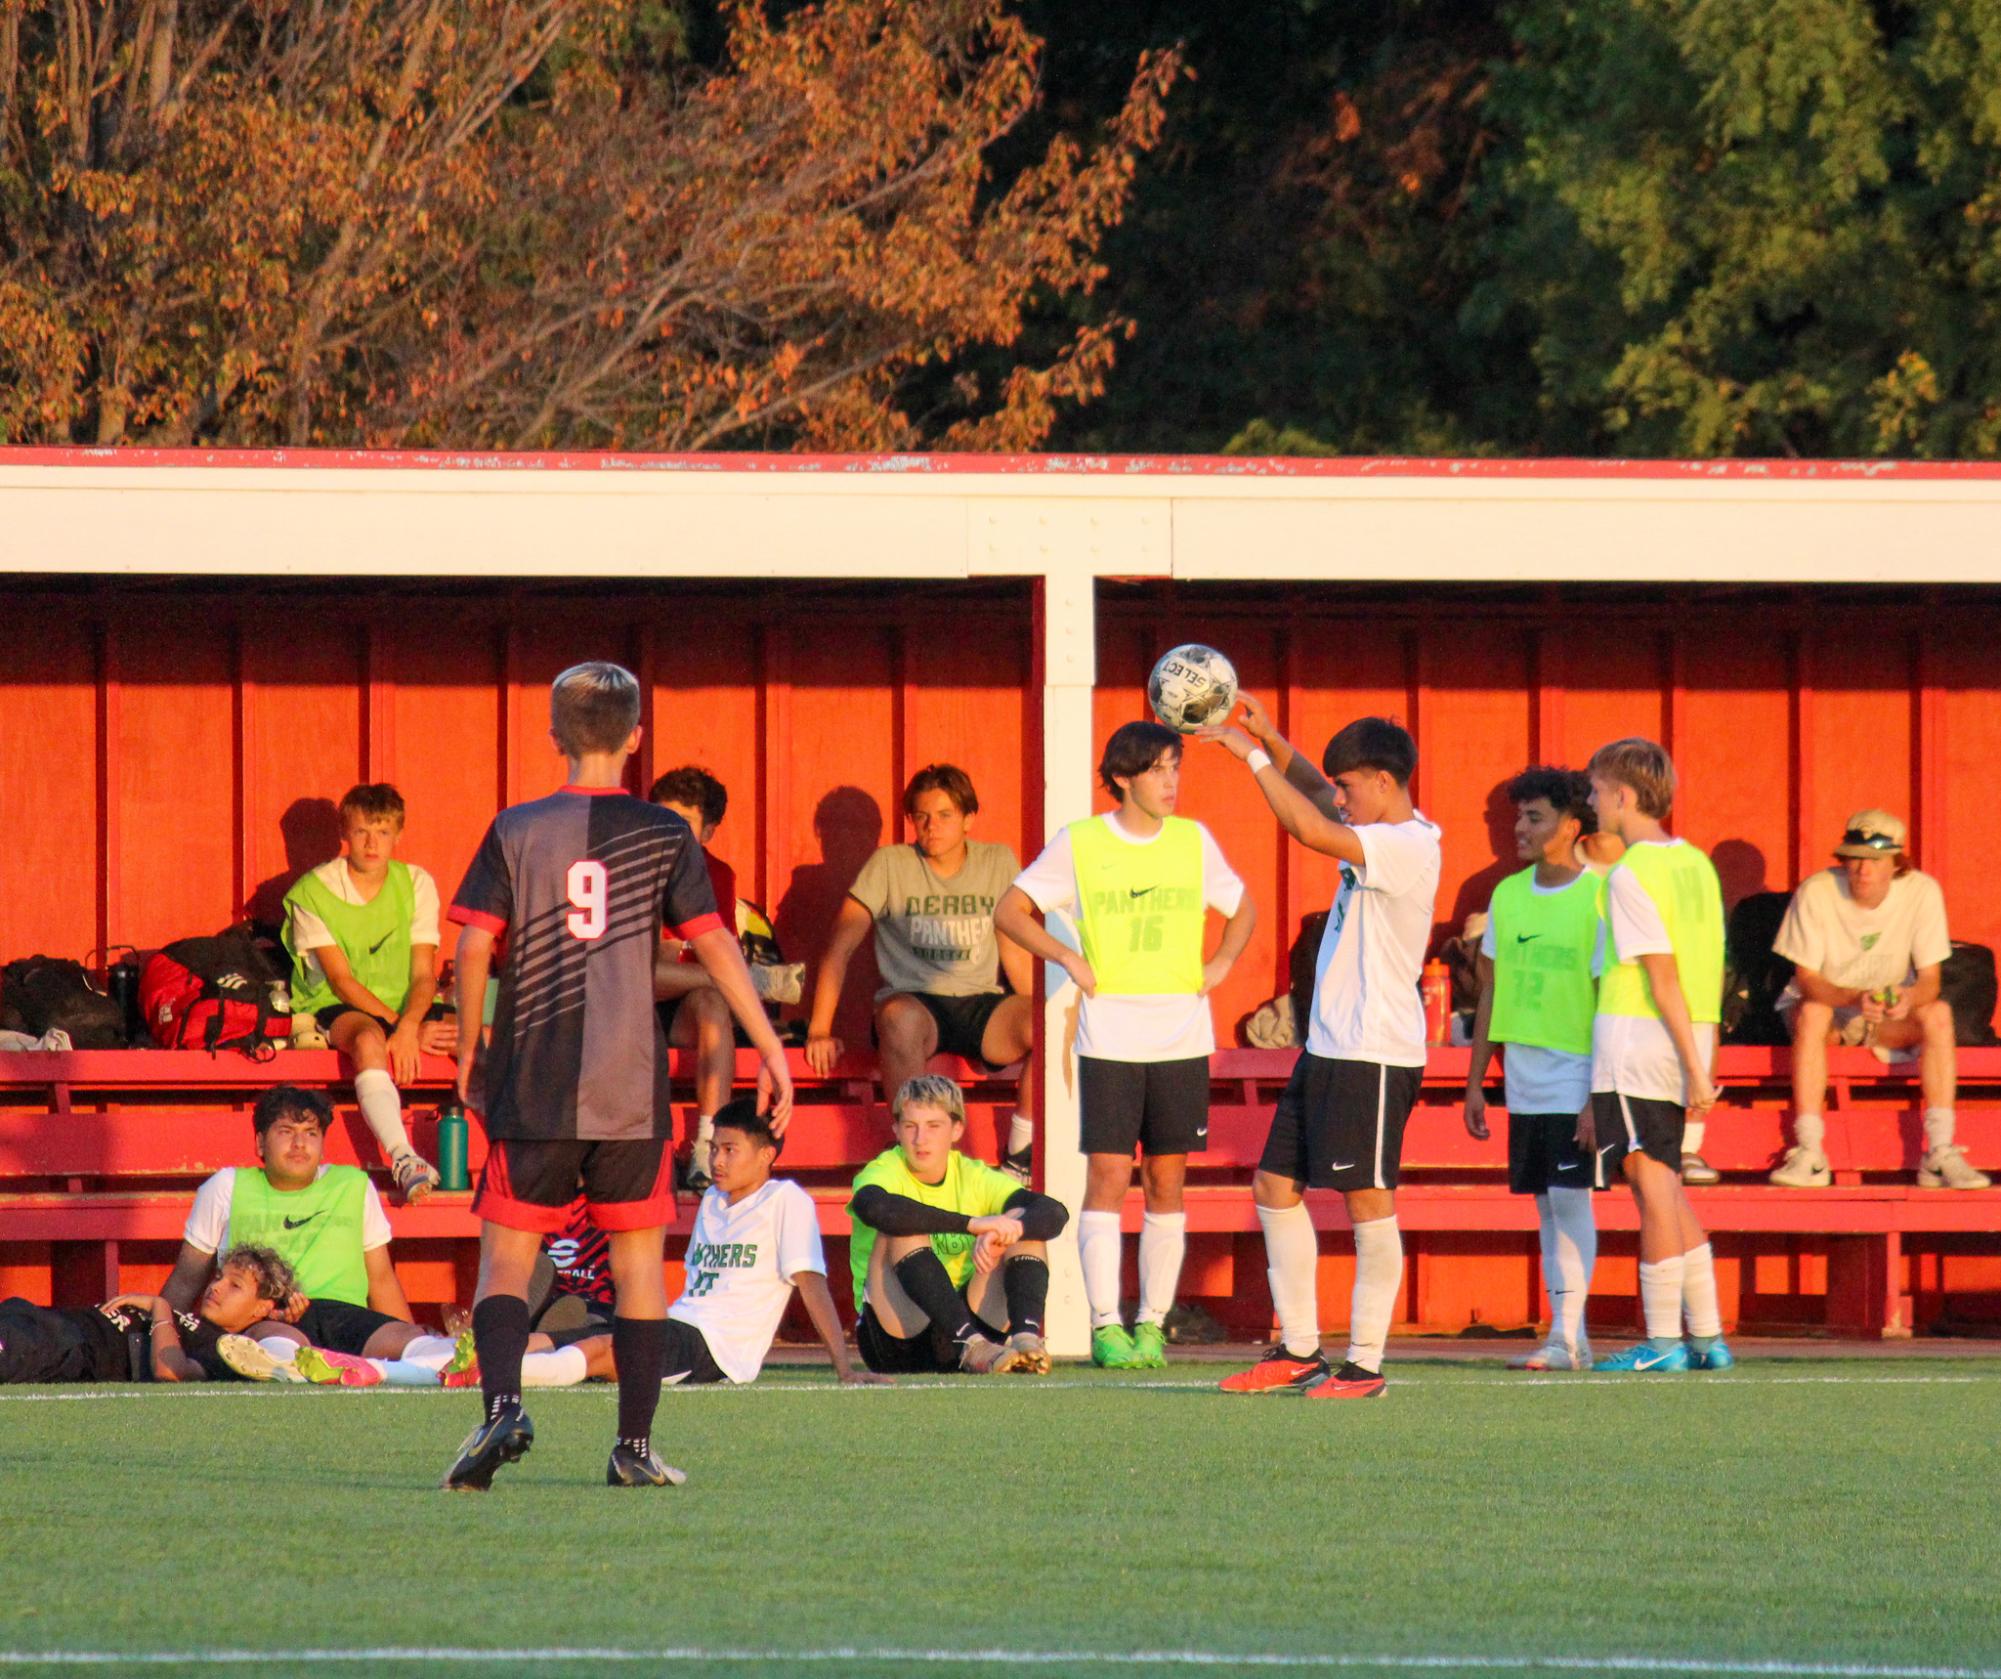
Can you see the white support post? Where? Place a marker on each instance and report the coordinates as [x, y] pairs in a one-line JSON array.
[[1070, 666]]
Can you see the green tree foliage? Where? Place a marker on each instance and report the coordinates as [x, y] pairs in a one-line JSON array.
[[1751, 226]]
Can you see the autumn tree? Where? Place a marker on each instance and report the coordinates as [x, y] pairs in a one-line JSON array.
[[490, 223]]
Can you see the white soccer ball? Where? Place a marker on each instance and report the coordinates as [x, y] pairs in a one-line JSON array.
[[1192, 686]]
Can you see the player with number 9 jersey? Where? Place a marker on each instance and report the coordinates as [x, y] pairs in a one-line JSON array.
[[579, 884]]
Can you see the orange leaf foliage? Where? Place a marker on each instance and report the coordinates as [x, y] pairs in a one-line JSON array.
[[469, 223]]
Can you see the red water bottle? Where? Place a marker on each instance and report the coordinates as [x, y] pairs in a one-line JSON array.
[[1435, 988]]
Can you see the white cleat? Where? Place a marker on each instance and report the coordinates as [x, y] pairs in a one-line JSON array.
[[1555, 1356], [1803, 1168], [1946, 1168]]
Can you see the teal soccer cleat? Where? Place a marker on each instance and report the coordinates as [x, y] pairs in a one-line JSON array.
[[1716, 1356], [1648, 1357]]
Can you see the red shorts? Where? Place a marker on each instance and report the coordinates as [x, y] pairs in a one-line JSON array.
[[530, 1185]]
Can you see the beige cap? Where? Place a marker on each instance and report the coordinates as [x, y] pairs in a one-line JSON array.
[[1871, 833]]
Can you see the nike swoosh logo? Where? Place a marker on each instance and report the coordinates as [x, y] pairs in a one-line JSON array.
[[1569, 1165], [379, 943], [1523, 938], [1340, 1165], [294, 1223], [1140, 891]]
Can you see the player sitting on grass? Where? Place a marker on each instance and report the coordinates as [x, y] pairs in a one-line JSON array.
[[1537, 995], [931, 904], [756, 1239], [692, 1011], [363, 933], [572, 1085], [325, 1222], [1339, 1121], [949, 1256], [1652, 1042], [140, 1337], [1140, 882]]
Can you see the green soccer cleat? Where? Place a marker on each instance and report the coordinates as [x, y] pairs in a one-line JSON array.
[[462, 1368], [1112, 1348], [1149, 1347]]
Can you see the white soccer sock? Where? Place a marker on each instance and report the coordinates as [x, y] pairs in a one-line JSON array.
[[430, 1352], [1020, 1134], [401, 1373], [1660, 1298], [1810, 1132], [705, 1127], [1575, 1242], [1545, 1226], [1692, 1134], [1098, 1252], [1292, 1258], [1698, 1292], [1939, 1127], [1163, 1240], [1378, 1276], [382, 1108], [563, 1368]]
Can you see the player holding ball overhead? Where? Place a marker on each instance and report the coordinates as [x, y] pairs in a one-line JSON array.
[[1339, 1123]]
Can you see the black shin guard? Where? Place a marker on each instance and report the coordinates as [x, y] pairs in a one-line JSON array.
[[640, 1347], [930, 1289], [500, 1333], [1026, 1284]]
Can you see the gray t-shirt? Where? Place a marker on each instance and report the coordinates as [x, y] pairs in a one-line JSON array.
[[936, 934]]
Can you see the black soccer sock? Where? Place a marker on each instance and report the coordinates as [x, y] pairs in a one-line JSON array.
[[500, 1333], [1026, 1283], [930, 1289], [640, 1346]]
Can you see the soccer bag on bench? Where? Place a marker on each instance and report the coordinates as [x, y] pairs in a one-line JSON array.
[[212, 994]]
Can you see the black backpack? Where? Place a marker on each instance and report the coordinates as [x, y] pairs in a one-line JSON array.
[[38, 993], [1753, 974], [1966, 981]]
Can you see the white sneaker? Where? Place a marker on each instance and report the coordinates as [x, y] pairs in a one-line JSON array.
[[1555, 1356], [249, 1359], [1803, 1168], [1696, 1170], [1946, 1168]]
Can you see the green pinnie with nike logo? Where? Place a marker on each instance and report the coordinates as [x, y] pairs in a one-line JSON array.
[[1543, 944], [374, 938], [316, 1230]]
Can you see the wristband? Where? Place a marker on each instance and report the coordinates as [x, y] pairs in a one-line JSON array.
[[1258, 759]]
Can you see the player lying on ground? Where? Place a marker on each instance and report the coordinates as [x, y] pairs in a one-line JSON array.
[[950, 1257], [1537, 994], [140, 1337], [572, 1085], [325, 1222], [756, 1239]]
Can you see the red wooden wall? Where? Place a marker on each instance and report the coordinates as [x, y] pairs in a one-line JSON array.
[[1785, 712], [170, 753], [170, 756]]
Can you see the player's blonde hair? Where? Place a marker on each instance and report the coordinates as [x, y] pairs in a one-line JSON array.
[[593, 707], [930, 1090], [1644, 766]]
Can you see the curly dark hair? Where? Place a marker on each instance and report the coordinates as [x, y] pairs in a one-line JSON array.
[[273, 1276], [692, 786], [1568, 792]]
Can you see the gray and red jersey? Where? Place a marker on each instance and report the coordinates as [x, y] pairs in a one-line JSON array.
[[580, 885]]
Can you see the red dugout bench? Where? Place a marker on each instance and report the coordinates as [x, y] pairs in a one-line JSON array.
[[100, 1153]]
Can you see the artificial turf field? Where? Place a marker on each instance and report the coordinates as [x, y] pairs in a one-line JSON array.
[[1786, 1517]]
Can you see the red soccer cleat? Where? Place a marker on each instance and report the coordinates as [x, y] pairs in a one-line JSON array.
[[1351, 1381], [1277, 1372]]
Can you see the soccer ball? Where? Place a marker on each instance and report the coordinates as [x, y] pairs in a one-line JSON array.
[[1191, 687]]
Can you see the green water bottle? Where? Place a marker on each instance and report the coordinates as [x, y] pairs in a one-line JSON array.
[[452, 1136]]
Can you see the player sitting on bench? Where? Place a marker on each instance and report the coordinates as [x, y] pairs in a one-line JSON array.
[[139, 1337], [363, 933], [949, 1256]]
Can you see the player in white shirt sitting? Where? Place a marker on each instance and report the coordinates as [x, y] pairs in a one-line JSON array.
[[756, 1239]]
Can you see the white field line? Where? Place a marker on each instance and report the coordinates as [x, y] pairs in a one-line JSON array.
[[1703, 1668], [1579, 1382]]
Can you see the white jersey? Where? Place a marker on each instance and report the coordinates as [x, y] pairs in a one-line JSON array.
[[1366, 1005], [741, 1262]]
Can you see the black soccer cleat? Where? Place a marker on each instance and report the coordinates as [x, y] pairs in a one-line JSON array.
[[503, 1438], [628, 1469]]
